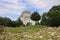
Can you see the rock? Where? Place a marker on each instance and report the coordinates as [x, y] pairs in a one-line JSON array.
[[50, 39], [52, 34], [41, 36]]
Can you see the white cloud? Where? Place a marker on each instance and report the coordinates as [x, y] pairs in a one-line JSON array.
[[45, 5], [37, 3], [11, 1], [15, 8]]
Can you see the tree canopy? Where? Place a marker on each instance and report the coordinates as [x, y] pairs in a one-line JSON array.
[[53, 16], [5, 21], [9, 23], [44, 19], [35, 16]]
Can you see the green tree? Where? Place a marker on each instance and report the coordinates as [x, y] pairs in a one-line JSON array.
[[19, 21], [9, 23], [35, 16], [5, 21], [1, 29], [1, 21], [44, 19], [54, 16], [16, 23]]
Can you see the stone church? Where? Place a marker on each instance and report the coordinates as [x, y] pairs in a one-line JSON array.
[[25, 18]]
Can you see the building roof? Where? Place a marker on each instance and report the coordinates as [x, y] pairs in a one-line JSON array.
[[26, 11]]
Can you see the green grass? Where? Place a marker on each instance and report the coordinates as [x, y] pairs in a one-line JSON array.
[[37, 32], [26, 28]]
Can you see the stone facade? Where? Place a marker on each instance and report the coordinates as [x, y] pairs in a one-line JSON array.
[[25, 18]]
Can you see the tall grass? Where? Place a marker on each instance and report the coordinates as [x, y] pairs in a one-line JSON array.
[[37, 32], [25, 28]]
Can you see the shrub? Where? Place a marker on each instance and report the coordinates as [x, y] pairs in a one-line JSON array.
[[1, 29], [29, 23]]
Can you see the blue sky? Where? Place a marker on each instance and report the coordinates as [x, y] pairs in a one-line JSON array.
[[13, 8]]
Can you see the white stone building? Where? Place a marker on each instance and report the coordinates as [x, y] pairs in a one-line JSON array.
[[25, 18]]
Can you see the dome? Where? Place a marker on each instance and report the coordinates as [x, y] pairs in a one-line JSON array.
[[26, 11]]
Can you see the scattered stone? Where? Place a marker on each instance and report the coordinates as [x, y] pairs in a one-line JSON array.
[[35, 36], [58, 36], [25, 35], [50, 39], [52, 34], [41, 36], [37, 33], [49, 32]]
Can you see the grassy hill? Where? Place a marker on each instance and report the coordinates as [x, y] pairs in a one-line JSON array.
[[37, 32], [25, 28]]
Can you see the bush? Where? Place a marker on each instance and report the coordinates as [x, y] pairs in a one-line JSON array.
[[37, 23], [54, 16], [1, 29], [29, 23]]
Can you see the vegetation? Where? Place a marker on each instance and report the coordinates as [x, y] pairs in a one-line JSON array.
[[1, 29], [37, 32], [31, 33], [18, 29], [35, 16], [52, 18], [17, 23], [4, 21], [44, 19]]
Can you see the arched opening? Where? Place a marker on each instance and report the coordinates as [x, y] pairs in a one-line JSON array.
[[29, 23]]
